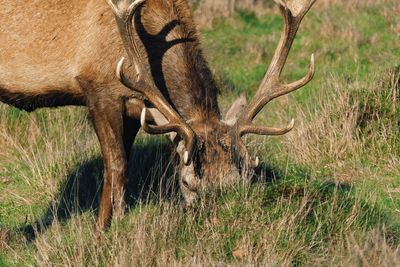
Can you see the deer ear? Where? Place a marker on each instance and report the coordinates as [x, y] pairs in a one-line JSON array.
[[236, 109]]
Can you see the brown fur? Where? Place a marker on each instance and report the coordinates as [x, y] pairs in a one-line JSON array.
[[176, 62], [56, 53]]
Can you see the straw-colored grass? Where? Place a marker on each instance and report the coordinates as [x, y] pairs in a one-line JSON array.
[[328, 193]]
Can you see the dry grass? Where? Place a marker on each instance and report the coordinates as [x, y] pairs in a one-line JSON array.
[[354, 5], [326, 195], [208, 10], [243, 227], [352, 123]]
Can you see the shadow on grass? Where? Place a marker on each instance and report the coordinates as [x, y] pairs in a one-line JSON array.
[[267, 173], [151, 176]]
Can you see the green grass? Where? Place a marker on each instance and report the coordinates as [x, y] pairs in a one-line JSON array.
[[326, 194], [2, 264], [292, 220]]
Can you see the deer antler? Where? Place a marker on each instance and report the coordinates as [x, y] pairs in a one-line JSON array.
[[270, 87], [124, 10]]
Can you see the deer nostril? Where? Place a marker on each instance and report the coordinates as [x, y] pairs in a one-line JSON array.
[[185, 183], [190, 184]]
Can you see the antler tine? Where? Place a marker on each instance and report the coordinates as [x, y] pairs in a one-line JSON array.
[[124, 12], [293, 15], [264, 130], [270, 87], [176, 123]]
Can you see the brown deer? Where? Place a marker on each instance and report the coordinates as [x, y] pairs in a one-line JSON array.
[[57, 53]]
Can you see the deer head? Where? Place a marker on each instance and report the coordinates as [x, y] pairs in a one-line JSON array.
[[212, 151]]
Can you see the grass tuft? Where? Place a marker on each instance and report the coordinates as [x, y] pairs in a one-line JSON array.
[[326, 194]]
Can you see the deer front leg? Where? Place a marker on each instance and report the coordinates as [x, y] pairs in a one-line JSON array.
[[108, 124], [106, 111]]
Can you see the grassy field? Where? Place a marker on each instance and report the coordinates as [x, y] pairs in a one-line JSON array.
[[328, 193]]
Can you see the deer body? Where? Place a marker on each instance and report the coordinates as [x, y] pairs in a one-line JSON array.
[[46, 45], [57, 53]]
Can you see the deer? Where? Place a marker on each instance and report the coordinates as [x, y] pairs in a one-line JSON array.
[[59, 53]]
